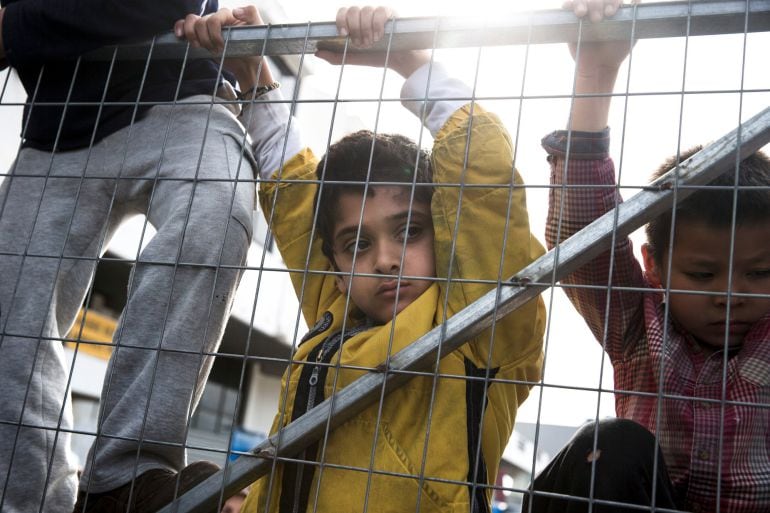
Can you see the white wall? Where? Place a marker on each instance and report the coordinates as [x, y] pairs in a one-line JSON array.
[[262, 395], [12, 97]]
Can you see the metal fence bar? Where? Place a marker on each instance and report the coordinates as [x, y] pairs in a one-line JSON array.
[[654, 20], [591, 241]]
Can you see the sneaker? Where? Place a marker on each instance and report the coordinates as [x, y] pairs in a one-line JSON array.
[[151, 490]]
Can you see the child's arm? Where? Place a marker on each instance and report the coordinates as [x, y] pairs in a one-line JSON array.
[[473, 148], [366, 26], [476, 243], [482, 237], [596, 69], [579, 156]]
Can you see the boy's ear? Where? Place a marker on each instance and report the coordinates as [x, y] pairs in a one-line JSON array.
[[339, 279], [341, 285], [650, 267]]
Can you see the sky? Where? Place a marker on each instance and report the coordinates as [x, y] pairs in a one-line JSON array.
[[647, 127]]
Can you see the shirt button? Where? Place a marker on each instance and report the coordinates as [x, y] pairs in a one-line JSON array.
[[703, 454]]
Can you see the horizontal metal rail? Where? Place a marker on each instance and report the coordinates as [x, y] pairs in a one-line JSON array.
[[422, 354], [654, 20]]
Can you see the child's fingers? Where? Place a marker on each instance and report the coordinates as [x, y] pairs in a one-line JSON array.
[[380, 16], [611, 7], [596, 10], [578, 7], [342, 21], [366, 24], [348, 22], [353, 24]]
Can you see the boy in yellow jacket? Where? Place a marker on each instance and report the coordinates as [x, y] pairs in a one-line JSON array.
[[385, 263]]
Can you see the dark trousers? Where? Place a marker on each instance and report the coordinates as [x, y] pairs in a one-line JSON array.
[[622, 463]]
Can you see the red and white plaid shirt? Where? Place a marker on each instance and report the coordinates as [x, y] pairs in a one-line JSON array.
[[717, 451]]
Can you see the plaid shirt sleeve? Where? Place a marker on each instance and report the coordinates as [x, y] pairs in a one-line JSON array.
[[582, 189]]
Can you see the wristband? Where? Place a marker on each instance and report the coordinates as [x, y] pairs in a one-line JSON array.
[[257, 91]]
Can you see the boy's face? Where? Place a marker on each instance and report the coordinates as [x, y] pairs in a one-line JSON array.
[[700, 262], [378, 249]]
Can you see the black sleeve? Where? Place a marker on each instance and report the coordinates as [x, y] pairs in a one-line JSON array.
[[40, 30]]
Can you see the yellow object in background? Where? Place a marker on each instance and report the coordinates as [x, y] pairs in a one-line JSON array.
[[92, 333]]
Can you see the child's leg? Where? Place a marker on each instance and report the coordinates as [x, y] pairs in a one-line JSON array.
[[622, 466]]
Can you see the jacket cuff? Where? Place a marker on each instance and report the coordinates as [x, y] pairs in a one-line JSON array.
[[582, 145]]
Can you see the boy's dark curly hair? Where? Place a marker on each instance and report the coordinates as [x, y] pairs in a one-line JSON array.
[[713, 204], [381, 159]]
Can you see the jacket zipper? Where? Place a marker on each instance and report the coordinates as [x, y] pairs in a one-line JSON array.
[[328, 345], [327, 349]]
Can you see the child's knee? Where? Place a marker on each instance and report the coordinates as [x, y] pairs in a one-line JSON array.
[[620, 448]]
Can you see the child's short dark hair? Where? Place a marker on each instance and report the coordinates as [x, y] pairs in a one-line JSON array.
[[346, 167], [713, 205]]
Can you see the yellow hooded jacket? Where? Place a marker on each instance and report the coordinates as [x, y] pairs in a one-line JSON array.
[[421, 454]]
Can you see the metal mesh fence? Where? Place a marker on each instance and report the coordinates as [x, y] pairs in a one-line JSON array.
[[146, 314]]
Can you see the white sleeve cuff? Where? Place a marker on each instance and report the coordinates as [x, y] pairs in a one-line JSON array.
[[427, 87], [275, 134]]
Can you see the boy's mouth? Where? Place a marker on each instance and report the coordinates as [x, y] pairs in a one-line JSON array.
[[390, 287], [733, 327]]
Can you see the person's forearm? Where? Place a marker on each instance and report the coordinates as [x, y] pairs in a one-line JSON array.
[[590, 110], [407, 62], [73, 27], [251, 73]]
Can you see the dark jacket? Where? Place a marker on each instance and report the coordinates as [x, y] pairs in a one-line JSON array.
[[43, 39]]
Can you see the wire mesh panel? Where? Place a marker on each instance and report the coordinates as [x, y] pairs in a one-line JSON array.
[[274, 292]]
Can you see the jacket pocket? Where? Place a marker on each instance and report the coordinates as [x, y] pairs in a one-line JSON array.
[[241, 168], [389, 483]]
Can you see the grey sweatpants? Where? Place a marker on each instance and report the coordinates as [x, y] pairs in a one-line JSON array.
[[178, 166]]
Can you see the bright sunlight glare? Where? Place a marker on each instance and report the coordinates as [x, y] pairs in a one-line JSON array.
[[324, 10]]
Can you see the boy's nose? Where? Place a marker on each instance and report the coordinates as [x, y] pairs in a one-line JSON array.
[[730, 292], [388, 258], [723, 299]]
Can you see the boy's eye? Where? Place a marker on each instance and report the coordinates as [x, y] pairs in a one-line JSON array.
[[356, 246], [759, 273], [410, 232], [699, 275]]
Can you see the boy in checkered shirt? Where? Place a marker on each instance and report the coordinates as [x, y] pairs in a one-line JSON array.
[[690, 353]]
